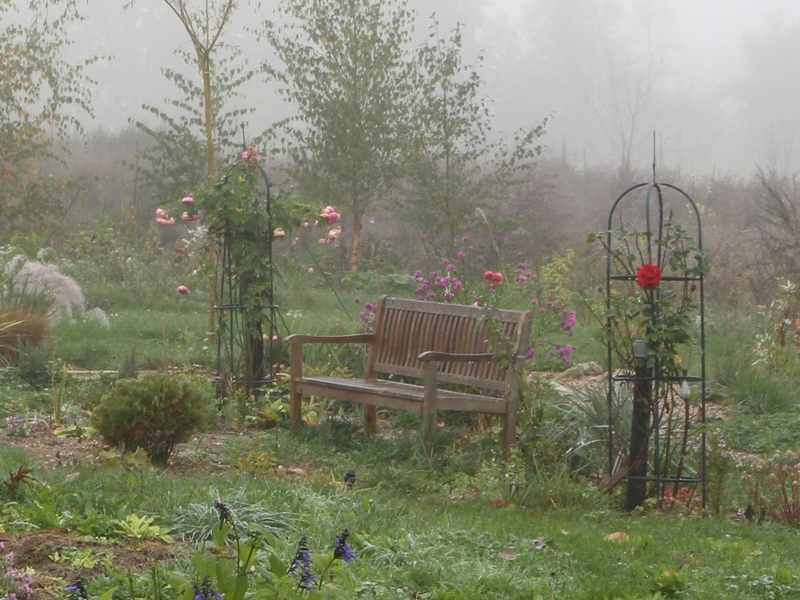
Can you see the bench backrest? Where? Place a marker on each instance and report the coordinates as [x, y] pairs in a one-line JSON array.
[[405, 329]]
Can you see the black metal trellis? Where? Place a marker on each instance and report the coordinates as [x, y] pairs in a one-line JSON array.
[[246, 351], [651, 390]]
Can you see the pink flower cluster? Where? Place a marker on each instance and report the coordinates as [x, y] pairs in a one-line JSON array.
[[250, 156], [523, 273], [19, 583], [330, 215], [570, 320], [448, 284], [563, 351], [333, 235], [163, 219], [367, 315], [189, 202]]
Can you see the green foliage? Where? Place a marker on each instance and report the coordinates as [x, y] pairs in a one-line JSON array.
[[40, 94], [155, 413], [751, 384], [141, 528], [346, 73], [452, 168], [33, 366], [172, 334], [176, 162], [119, 263]]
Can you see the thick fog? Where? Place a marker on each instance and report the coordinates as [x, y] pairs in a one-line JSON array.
[[717, 80]]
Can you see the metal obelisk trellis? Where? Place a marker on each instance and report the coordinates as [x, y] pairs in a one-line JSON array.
[[246, 349], [670, 466]]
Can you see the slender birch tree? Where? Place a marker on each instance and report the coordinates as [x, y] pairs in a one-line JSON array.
[[346, 73]]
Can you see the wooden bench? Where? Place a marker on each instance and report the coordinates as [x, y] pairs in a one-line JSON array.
[[430, 343]]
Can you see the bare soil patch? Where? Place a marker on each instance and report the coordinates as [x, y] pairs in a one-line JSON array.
[[43, 551], [40, 551]]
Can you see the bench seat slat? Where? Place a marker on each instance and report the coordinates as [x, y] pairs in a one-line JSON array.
[[398, 395]]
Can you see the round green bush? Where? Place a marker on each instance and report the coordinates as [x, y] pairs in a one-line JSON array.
[[154, 412]]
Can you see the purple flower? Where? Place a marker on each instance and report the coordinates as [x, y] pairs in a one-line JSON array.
[[342, 549], [77, 590], [460, 255], [301, 566], [543, 310], [204, 591], [530, 354], [356, 299], [369, 306], [570, 320], [223, 510]]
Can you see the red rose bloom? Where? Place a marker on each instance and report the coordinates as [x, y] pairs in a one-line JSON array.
[[649, 276], [493, 279]]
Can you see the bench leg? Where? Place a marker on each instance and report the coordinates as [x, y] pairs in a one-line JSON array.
[[369, 419], [429, 402], [295, 397], [295, 407], [510, 426]]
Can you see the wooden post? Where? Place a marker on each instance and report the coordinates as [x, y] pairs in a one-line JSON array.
[[640, 437]]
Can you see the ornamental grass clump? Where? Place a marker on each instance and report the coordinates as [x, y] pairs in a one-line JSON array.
[[154, 413]]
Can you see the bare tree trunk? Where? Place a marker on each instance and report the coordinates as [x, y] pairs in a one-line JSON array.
[[355, 249]]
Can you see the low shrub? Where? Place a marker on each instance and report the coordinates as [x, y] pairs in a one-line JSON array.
[[154, 413]]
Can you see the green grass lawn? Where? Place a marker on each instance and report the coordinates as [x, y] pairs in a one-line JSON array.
[[449, 522], [420, 529]]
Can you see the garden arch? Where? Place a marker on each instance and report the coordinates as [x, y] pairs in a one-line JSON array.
[[655, 338], [246, 314]]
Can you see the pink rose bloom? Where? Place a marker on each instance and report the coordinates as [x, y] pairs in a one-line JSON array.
[[188, 218], [310, 270], [330, 215], [306, 225], [183, 290], [188, 201], [334, 234], [279, 233], [165, 222], [161, 213]]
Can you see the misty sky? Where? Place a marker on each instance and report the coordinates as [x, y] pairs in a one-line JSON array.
[[608, 72]]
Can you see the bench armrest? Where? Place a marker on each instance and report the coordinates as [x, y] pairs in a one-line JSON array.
[[355, 338], [448, 357]]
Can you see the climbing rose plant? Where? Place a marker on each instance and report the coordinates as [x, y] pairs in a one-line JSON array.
[[641, 306]]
